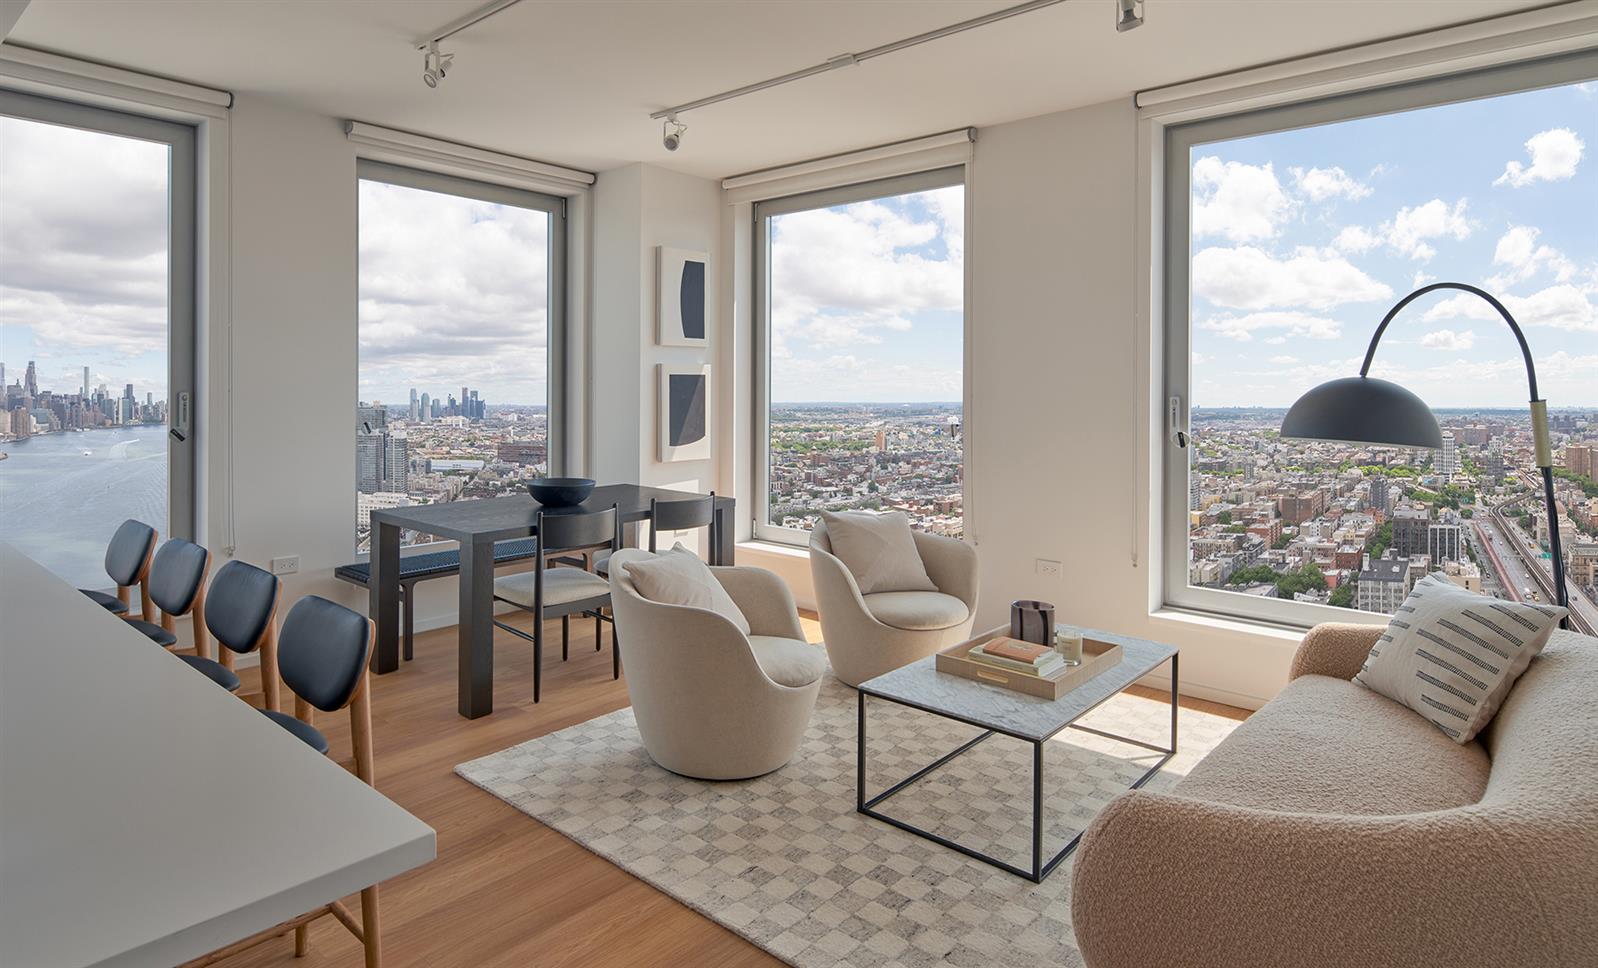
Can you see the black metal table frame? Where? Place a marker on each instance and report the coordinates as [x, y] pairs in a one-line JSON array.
[[1040, 869]]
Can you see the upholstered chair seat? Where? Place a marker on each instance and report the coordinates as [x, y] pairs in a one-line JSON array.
[[869, 634], [712, 702], [916, 611], [562, 586]]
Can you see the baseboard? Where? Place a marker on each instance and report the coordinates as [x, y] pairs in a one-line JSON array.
[[1194, 690]]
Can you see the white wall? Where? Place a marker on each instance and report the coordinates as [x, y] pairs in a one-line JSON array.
[[293, 238]]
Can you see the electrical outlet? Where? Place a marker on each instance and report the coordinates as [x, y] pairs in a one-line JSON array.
[[286, 565], [1047, 568]]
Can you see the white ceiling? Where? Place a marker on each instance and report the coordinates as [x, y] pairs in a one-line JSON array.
[[574, 82]]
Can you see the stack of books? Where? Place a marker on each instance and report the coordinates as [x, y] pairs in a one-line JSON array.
[[1026, 658]]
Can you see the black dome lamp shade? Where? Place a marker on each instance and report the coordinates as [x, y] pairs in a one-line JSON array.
[[1362, 409]]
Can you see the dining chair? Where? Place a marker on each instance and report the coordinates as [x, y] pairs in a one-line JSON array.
[[562, 591], [239, 611], [688, 514], [127, 561], [322, 655], [177, 587]]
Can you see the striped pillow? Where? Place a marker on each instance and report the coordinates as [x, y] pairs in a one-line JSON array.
[[1452, 655]]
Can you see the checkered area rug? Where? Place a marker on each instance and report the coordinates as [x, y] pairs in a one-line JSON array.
[[785, 861]]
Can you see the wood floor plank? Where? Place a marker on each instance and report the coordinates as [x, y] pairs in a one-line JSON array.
[[505, 889]]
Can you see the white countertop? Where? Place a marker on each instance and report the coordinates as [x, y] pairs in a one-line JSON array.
[[147, 816]]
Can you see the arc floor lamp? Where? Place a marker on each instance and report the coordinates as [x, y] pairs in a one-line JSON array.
[[1363, 409]]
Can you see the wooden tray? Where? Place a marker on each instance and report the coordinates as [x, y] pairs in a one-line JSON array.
[[1097, 657]]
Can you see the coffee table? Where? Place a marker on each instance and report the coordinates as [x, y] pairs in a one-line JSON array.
[[997, 710]]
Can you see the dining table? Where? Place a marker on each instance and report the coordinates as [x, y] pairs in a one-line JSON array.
[[476, 525]]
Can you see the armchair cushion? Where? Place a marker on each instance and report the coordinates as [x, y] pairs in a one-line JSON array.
[[1328, 746], [788, 662], [678, 577], [916, 611], [879, 550]]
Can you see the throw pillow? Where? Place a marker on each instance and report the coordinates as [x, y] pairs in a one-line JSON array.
[[678, 577], [879, 551], [1453, 655]]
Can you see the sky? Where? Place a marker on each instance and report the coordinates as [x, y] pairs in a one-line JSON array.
[[867, 301], [83, 257], [453, 292], [1302, 240]]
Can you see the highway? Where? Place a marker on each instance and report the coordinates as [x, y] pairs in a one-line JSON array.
[[1520, 566]]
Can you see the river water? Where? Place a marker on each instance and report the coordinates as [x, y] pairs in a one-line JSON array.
[[60, 506]]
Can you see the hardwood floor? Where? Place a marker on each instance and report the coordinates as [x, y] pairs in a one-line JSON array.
[[506, 890]]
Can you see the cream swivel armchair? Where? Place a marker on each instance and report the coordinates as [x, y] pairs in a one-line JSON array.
[[712, 702], [867, 635]]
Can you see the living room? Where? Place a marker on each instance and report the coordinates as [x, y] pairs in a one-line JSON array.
[[1059, 286]]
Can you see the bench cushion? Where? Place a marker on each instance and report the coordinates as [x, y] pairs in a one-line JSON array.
[[1331, 746], [435, 564]]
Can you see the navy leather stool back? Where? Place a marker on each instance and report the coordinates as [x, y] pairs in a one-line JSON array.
[[322, 651], [239, 606], [176, 575], [129, 549]]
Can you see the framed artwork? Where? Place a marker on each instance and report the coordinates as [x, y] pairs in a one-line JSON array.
[[684, 411], [680, 283]]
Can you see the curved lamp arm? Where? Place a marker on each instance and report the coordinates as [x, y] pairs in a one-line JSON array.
[[1525, 351], [1539, 418]]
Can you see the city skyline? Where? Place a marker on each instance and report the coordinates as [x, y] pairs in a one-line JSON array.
[[83, 256], [1302, 239]]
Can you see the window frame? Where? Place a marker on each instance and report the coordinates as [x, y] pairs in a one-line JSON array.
[[1177, 141], [182, 274], [404, 176], [907, 184]]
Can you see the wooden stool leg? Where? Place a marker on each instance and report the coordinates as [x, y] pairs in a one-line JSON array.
[[599, 626], [302, 941], [145, 612], [371, 928], [538, 655], [565, 636]]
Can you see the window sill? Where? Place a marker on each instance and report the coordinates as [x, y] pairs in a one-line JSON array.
[[773, 548], [1286, 634]]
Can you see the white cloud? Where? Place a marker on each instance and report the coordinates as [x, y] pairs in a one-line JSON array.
[[1321, 184], [1284, 360], [1555, 153], [1408, 232], [1240, 202], [1560, 306], [1447, 339], [1242, 328], [1249, 278], [1520, 255], [1356, 240], [1411, 227]]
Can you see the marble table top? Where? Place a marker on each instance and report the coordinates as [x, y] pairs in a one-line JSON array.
[[1017, 714]]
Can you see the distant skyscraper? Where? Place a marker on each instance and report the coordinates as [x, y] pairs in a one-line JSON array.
[[396, 463], [1379, 493], [368, 462], [427, 408], [1448, 460], [1445, 542], [476, 412], [415, 407], [30, 383], [85, 383]]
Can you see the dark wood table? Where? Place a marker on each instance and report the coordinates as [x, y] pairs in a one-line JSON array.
[[477, 525]]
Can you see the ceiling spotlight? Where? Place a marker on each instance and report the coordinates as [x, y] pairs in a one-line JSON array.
[[435, 65], [1128, 14], [671, 131]]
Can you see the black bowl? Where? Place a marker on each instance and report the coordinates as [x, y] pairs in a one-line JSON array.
[[560, 492]]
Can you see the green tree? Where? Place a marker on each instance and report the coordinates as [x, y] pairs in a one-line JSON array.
[[1225, 517], [1381, 540], [1343, 596]]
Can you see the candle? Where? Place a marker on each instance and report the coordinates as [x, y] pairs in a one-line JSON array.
[[1068, 642]]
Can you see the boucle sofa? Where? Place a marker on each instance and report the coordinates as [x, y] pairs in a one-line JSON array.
[[1338, 828]]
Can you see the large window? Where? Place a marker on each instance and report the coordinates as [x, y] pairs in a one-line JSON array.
[[862, 320], [96, 330], [461, 289], [1290, 232]]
